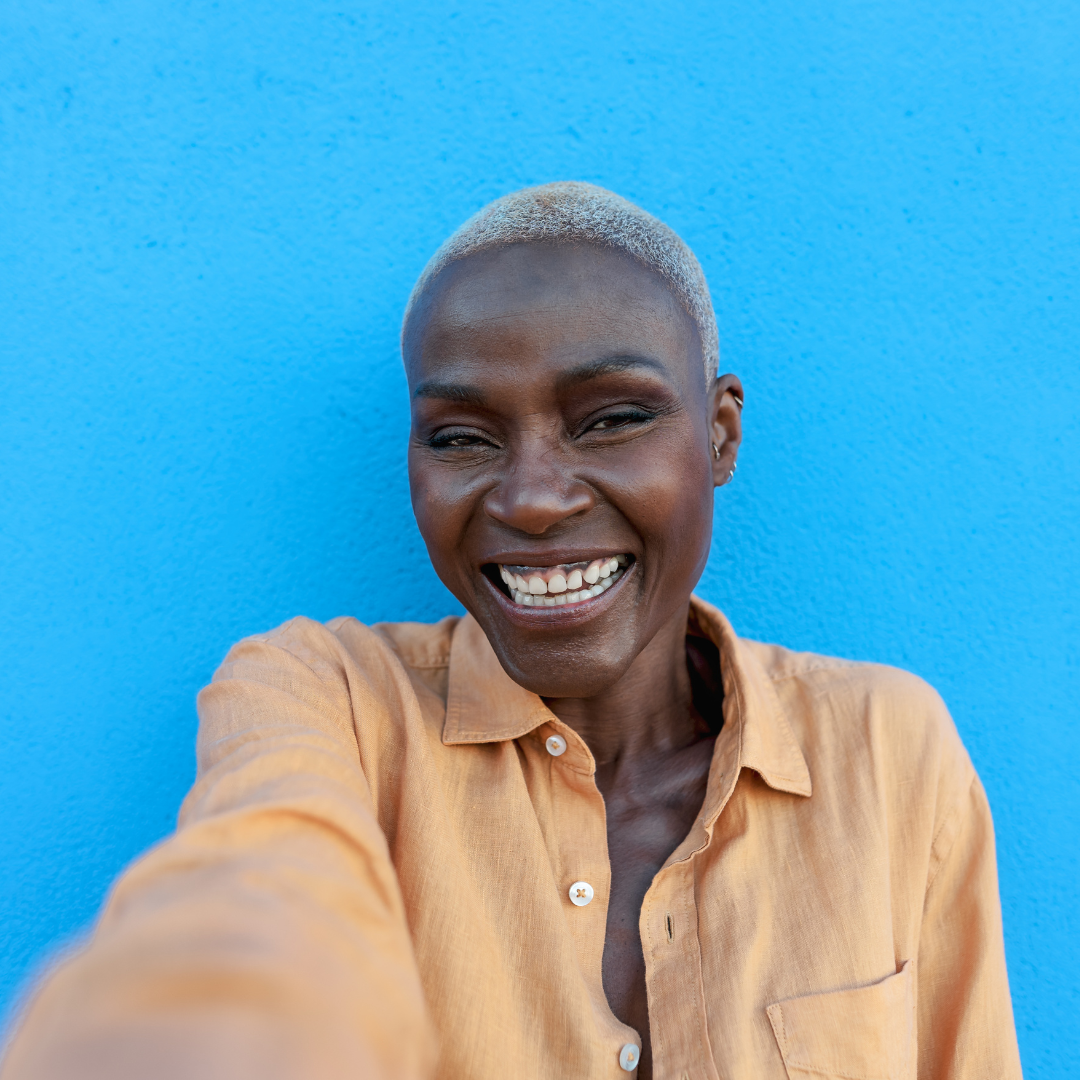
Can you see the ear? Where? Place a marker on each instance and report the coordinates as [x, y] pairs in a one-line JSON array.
[[725, 426]]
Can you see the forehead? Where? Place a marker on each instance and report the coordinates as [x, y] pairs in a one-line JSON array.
[[546, 301]]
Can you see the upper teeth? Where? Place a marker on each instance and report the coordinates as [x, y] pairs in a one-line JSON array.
[[551, 586]]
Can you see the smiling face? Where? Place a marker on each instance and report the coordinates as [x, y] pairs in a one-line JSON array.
[[560, 458]]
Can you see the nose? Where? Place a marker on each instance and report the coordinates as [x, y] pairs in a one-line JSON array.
[[537, 492]]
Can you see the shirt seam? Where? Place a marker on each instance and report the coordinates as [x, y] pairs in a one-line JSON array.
[[701, 1012], [506, 735], [789, 1059], [514, 738], [775, 775], [830, 1072], [832, 665], [652, 949], [265, 639], [737, 769], [954, 816], [783, 1033]]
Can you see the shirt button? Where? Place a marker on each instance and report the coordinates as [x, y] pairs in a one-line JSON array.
[[628, 1057], [581, 892], [556, 745]]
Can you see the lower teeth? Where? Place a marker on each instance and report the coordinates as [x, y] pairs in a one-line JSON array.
[[561, 599]]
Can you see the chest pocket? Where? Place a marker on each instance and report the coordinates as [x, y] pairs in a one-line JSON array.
[[863, 1034]]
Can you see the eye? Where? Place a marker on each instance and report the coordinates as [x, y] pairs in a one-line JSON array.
[[456, 440], [624, 418]]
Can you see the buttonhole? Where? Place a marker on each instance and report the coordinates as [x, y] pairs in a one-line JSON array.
[[670, 927]]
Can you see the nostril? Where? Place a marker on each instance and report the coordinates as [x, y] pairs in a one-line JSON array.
[[533, 511]]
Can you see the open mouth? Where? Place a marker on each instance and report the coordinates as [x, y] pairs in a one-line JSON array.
[[567, 583]]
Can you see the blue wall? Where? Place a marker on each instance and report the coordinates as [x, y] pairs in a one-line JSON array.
[[212, 216]]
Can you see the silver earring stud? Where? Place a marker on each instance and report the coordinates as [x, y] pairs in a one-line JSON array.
[[716, 452]]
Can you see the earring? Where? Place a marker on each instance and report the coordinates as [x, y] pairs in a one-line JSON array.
[[731, 475], [715, 452]]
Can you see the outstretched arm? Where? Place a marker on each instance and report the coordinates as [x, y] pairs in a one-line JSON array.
[[267, 938]]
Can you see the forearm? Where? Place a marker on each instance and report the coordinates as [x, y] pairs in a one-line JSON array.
[[266, 939]]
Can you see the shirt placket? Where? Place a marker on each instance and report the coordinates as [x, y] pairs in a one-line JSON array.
[[584, 874], [678, 1020]]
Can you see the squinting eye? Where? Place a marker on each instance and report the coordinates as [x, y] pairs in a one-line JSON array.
[[456, 441], [618, 420]]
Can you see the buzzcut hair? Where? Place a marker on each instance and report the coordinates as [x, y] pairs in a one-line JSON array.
[[569, 212]]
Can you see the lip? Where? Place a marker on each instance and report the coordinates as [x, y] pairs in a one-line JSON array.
[[551, 557], [536, 618]]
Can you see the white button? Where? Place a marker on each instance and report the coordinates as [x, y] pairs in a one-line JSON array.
[[628, 1057], [581, 893], [556, 745]]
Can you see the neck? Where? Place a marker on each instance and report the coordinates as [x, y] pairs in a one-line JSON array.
[[647, 711]]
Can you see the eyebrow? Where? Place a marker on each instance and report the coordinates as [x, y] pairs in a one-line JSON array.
[[607, 365], [459, 392], [464, 394]]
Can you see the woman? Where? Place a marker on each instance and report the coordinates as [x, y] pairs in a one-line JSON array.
[[584, 830]]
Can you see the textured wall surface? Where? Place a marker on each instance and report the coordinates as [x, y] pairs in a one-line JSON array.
[[211, 218]]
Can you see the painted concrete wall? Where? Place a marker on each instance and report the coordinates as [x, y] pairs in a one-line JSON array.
[[212, 215]]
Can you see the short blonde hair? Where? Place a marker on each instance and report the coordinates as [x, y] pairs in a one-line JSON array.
[[574, 212]]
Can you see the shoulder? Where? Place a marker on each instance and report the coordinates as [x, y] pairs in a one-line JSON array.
[[330, 663], [325, 648], [344, 656], [872, 717], [340, 672]]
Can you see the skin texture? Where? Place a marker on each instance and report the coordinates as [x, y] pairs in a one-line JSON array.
[[560, 413]]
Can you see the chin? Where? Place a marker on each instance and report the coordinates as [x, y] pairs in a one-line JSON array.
[[557, 675], [575, 650]]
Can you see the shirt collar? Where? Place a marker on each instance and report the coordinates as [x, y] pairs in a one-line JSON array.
[[756, 732], [485, 705]]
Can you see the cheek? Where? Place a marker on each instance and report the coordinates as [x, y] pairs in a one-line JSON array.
[[429, 503], [672, 500], [442, 506]]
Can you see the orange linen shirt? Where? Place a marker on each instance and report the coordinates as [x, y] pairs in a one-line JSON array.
[[370, 879]]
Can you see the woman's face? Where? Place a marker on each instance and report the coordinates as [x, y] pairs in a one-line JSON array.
[[560, 457]]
